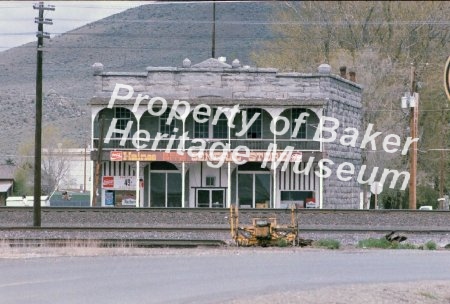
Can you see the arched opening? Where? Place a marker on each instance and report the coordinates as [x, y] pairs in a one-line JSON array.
[[164, 185], [302, 128], [103, 123], [257, 135], [253, 186]]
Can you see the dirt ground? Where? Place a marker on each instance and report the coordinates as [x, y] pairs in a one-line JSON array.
[[429, 292]]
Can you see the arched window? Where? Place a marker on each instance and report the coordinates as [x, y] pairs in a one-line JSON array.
[[255, 130], [164, 127], [220, 129], [123, 116], [304, 130]]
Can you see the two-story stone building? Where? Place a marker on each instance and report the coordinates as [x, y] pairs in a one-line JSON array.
[[151, 170]]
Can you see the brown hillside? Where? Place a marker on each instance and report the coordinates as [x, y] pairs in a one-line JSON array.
[[151, 35]]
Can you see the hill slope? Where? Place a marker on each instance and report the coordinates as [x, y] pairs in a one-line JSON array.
[[151, 35]]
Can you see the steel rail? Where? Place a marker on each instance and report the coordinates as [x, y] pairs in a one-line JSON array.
[[111, 242], [119, 229], [215, 210]]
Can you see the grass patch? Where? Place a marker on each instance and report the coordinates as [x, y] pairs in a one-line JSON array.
[[374, 243], [397, 245], [428, 295], [328, 243], [384, 244]]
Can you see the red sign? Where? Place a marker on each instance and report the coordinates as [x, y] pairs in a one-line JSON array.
[[116, 155], [253, 156], [108, 181]]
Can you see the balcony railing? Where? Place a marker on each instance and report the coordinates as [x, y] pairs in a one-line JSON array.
[[252, 144]]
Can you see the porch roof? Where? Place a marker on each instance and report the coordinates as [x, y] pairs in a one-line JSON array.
[[5, 186], [221, 102]]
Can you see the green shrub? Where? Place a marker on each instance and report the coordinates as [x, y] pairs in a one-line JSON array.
[[430, 245], [282, 243], [328, 243]]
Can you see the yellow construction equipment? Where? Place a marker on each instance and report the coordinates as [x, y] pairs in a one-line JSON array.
[[264, 231]]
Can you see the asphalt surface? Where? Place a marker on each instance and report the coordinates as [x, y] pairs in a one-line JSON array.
[[203, 276]]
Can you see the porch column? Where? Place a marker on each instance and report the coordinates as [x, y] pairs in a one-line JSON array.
[[275, 113], [183, 169], [91, 182], [319, 113], [183, 113], [229, 170], [138, 184], [274, 195], [138, 115]]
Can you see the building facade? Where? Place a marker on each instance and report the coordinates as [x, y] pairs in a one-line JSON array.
[[147, 128]]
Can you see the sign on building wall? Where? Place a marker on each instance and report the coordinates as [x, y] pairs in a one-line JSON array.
[[185, 157], [119, 182]]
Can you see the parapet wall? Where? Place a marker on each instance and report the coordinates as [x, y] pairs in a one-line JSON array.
[[219, 82]]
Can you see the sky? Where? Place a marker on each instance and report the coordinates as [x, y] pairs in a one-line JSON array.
[[17, 25]]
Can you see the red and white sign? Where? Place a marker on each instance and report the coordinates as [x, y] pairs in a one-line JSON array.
[[116, 155], [253, 156], [108, 182], [120, 183]]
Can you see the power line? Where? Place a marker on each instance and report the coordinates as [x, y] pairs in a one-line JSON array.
[[265, 22], [87, 98]]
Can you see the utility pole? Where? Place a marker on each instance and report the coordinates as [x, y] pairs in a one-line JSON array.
[[213, 44], [413, 125], [442, 179], [442, 161], [98, 163], [38, 132]]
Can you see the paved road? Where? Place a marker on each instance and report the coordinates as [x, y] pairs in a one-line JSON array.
[[195, 276]]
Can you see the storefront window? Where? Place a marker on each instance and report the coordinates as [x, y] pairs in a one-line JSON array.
[[165, 189], [254, 190], [158, 189], [173, 190]]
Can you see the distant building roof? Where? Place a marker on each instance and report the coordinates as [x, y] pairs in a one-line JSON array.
[[7, 172]]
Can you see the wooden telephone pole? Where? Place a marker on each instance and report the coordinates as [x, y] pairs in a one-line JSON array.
[[413, 125], [213, 43], [98, 162], [442, 161], [38, 131]]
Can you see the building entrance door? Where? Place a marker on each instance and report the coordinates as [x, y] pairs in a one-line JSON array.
[[210, 198], [254, 190]]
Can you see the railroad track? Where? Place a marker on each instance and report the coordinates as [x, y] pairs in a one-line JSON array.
[[122, 229], [112, 242], [179, 226], [211, 210], [181, 237]]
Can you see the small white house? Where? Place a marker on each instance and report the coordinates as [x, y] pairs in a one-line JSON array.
[[27, 201]]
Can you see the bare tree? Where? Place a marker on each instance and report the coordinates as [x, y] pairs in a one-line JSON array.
[[55, 161], [379, 40]]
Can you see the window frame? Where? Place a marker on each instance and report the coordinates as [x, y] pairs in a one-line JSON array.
[[259, 120]]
